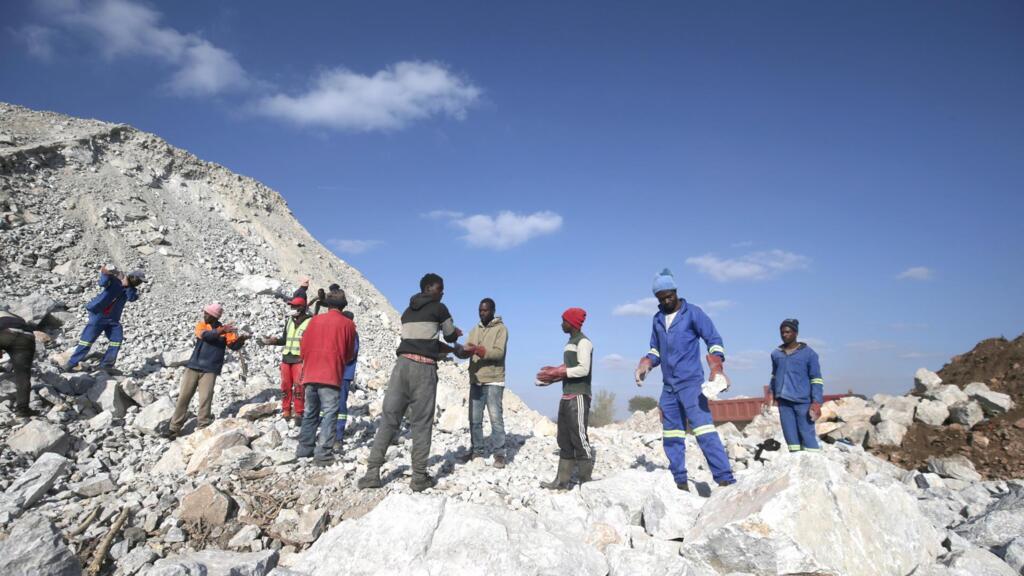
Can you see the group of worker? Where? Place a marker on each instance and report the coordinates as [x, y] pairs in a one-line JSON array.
[[319, 360]]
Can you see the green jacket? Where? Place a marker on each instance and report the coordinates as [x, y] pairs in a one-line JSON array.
[[494, 338]]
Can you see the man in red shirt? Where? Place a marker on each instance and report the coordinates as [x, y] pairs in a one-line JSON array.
[[327, 345]]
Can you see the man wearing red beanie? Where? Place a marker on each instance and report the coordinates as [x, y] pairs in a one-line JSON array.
[[574, 409]]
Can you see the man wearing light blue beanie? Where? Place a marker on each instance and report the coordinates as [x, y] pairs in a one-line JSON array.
[[677, 330]]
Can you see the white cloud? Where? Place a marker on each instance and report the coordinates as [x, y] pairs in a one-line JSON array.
[[748, 360], [916, 273], [615, 362], [643, 307], [121, 28], [38, 40], [507, 229], [352, 246], [753, 266], [388, 100], [714, 306]]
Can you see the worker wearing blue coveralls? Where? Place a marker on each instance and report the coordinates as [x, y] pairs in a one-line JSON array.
[[105, 315], [798, 388], [676, 333]]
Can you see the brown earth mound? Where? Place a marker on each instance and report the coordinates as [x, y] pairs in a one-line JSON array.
[[996, 446]]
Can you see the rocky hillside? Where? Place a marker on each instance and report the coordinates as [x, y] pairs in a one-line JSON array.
[[92, 486]]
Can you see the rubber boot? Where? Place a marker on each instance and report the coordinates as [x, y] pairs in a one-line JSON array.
[[370, 480], [421, 482], [561, 481], [585, 470]]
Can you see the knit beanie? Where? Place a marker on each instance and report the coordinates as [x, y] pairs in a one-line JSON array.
[[792, 323], [214, 309], [664, 281], [575, 317]]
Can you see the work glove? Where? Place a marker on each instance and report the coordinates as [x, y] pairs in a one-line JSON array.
[[641, 370], [715, 364], [814, 411], [551, 374]]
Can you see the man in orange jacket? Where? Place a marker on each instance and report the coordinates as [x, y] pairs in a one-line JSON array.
[[327, 345]]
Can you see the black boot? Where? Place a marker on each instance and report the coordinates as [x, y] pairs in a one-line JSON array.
[[585, 470], [370, 480], [561, 481], [421, 482], [25, 412]]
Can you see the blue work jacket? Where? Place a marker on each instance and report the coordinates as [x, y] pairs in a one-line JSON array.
[[797, 377], [677, 349]]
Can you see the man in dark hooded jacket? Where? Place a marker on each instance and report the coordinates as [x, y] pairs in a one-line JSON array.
[[413, 384]]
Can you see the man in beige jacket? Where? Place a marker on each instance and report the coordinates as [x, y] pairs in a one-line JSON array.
[[485, 348]]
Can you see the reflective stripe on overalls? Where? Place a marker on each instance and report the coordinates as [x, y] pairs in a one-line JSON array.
[[293, 337]]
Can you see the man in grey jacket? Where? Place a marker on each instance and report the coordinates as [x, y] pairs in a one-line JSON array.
[[485, 349]]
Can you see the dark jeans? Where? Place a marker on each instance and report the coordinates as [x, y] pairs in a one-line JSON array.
[[490, 396], [413, 387], [320, 398], [21, 346]]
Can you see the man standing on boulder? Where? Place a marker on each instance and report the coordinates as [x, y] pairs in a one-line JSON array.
[[212, 341], [327, 346], [291, 361], [413, 383], [574, 451], [798, 388], [105, 315], [675, 345], [17, 341], [485, 347]]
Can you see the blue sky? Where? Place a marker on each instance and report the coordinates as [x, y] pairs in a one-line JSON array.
[[855, 165]]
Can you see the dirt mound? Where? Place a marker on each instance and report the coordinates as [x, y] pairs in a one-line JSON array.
[[995, 446]]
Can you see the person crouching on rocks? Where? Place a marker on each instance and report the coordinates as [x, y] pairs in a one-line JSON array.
[[327, 345], [291, 361], [575, 374], [798, 388], [212, 341]]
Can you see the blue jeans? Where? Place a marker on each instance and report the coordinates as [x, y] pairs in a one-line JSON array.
[[319, 397], [479, 396], [92, 331], [797, 426]]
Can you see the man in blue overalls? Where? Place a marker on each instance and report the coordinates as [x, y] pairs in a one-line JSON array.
[[105, 315], [675, 346]]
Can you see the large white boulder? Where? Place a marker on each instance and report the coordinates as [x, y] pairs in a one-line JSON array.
[[439, 536], [931, 412], [898, 409], [1000, 524], [259, 284], [925, 380], [35, 482], [216, 563], [948, 394], [886, 433], [992, 403], [804, 514], [153, 419]]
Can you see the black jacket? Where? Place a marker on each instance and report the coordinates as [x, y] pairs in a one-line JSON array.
[[421, 321]]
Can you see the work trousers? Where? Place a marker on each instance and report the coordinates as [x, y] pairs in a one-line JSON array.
[[21, 347], [343, 407], [96, 326], [797, 426], [489, 395], [192, 380], [291, 387], [684, 404], [573, 419], [321, 410], [413, 387]]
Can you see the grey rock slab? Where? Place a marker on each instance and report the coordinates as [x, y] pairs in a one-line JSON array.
[[153, 419], [992, 403], [39, 436], [1013, 554], [216, 563], [208, 504], [948, 394], [899, 409], [1002, 523], [134, 560], [36, 548], [806, 514], [37, 480], [958, 467], [976, 562], [967, 413], [886, 433], [34, 308], [94, 485]]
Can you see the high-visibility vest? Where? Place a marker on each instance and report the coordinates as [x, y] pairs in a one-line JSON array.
[[293, 337]]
